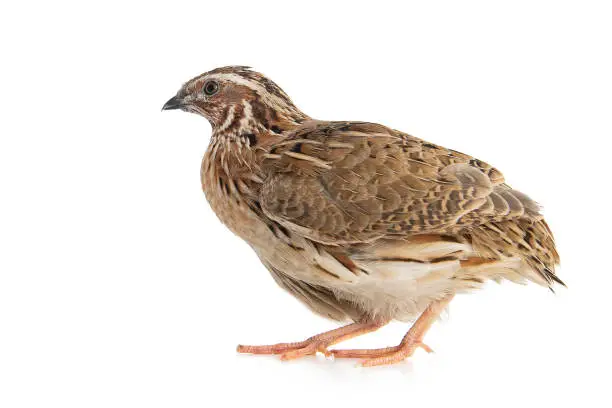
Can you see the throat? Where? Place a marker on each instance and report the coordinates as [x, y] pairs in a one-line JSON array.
[[254, 124], [231, 170]]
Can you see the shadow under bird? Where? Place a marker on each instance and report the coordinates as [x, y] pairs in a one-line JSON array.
[[358, 221]]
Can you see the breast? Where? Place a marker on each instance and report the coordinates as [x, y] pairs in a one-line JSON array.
[[233, 199]]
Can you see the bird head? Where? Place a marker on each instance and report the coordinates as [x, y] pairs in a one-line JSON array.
[[237, 100]]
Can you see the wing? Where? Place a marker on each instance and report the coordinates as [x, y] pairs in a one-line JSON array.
[[348, 182]]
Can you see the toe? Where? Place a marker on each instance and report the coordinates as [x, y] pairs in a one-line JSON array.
[[269, 349], [425, 347], [362, 353], [301, 352]]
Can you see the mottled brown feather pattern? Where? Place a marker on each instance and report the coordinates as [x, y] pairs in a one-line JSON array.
[[347, 183], [354, 219]]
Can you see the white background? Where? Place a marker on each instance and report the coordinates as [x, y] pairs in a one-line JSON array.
[[119, 287]]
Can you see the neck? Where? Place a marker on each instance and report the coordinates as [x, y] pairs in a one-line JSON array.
[[252, 123]]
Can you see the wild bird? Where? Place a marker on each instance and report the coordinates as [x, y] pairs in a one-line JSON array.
[[358, 221]]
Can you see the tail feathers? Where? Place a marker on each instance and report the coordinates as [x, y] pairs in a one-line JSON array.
[[529, 239]]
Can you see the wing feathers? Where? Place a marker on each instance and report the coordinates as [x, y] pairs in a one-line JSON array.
[[342, 183], [355, 182]]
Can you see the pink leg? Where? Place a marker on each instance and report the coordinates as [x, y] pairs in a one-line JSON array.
[[411, 341]]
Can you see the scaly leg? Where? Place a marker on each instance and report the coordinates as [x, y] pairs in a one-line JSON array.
[[314, 344], [411, 341]]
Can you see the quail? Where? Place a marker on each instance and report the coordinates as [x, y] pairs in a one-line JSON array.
[[360, 222]]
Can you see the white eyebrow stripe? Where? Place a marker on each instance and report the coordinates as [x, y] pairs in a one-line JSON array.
[[261, 91], [240, 80]]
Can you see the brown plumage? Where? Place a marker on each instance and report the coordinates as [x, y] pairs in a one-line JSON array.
[[356, 220]]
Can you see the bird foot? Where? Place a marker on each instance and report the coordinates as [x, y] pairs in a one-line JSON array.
[[373, 357], [290, 351], [314, 344], [383, 356]]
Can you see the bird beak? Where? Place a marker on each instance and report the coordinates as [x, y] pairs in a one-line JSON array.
[[173, 103]]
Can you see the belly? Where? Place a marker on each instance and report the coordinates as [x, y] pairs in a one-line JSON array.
[[381, 286]]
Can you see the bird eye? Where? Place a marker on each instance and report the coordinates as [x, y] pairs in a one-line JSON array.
[[210, 88]]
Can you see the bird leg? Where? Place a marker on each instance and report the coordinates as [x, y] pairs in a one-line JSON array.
[[411, 341], [314, 344]]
